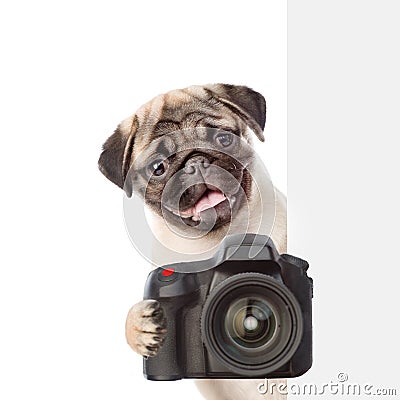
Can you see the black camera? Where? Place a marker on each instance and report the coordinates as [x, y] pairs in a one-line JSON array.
[[244, 313]]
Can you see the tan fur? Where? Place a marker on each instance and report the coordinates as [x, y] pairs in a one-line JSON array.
[[144, 328], [238, 389], [144, 333]]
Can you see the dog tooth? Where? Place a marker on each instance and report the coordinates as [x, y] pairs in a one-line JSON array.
[[182, 216]]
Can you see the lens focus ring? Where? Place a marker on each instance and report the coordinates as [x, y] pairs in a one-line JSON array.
[[252, 324]]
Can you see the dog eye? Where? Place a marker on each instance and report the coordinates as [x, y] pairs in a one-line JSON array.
[[158, 167], [224, 139]]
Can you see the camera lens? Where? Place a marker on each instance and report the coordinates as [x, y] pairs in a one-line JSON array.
[[252, 324]]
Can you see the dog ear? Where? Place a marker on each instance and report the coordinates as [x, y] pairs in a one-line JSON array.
[[243, 101], [116, 156]]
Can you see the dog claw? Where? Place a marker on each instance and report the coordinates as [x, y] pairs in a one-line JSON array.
[[146, 327]]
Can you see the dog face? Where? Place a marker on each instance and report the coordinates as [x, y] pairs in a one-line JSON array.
[[186, 154]]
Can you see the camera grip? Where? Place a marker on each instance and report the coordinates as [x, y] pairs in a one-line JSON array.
[[174, 291], [165, 364]]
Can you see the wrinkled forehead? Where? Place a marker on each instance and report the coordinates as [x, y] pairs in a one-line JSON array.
[[179, 116]]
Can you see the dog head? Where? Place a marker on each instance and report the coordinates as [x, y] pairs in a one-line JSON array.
[[184, 153]]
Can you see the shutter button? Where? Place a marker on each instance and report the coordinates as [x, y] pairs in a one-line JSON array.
[[167, 275]]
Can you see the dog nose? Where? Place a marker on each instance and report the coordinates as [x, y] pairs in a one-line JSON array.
[[195, 162]]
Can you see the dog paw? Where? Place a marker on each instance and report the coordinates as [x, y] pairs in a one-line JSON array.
[[146, 327]]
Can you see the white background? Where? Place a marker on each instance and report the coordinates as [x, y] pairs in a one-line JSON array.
[[343, 186], [70, 72]]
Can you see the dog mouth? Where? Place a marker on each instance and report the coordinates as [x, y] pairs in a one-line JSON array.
[[210, 199]]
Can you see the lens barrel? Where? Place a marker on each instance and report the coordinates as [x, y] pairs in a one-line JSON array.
[[252, 324]]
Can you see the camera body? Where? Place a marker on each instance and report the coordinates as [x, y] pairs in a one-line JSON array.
[[244, 313]]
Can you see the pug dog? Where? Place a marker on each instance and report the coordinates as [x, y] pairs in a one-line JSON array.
[[188, 154]]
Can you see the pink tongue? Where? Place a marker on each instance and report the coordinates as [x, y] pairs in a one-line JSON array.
[[209, 199]]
